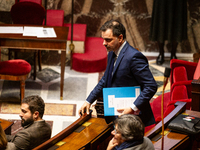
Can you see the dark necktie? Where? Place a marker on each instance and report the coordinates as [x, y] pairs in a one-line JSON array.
[[111, 70]]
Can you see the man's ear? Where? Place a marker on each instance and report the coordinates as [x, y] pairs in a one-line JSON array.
[[35, 115], [120, 37]]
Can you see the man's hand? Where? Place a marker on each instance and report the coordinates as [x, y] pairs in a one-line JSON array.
[[127, 110], [111, 144], [84, 108]]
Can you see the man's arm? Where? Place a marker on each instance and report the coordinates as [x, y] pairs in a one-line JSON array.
[[143, 75], [21, 140], [96, 92]]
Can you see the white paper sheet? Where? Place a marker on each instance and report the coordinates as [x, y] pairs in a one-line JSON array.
[[32, 31], [11, 30], [39, 32], [119, 103], [47, 32]]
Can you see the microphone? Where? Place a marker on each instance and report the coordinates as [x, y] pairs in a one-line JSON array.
[[166, 76], [167, 72]]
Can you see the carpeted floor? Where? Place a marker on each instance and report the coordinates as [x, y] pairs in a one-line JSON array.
[[50, 109]]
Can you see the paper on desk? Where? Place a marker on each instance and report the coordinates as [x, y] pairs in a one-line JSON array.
[[11, 30], [39, 32], [47, 32], [32, 31]]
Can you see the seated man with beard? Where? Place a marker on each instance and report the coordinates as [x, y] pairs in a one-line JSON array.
[[35, 130]]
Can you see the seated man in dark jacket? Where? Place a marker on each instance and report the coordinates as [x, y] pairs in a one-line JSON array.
[[36, 130]]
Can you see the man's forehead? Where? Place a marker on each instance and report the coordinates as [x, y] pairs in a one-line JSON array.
[[24, 106], [107, 33]]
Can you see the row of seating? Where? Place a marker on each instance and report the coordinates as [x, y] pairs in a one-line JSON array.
[[182, 74], [89, 55]]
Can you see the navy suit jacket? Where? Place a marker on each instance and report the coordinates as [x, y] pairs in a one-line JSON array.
[[131, 69]]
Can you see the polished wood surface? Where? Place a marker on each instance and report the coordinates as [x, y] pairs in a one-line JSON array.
[[88, 138], [18, 41], [6, 125]]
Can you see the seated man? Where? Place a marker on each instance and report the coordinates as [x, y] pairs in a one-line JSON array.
[[36, 130], [129, 134]]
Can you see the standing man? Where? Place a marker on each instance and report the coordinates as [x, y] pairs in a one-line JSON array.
[[36, 130], [130, 69]]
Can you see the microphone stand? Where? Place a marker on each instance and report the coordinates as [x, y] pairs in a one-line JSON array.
[[166, 76]]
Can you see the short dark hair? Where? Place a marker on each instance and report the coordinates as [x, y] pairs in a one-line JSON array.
[[36, 103], [130, 126], [116, 27]]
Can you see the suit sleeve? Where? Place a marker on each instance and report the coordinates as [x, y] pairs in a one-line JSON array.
[[141, 72], [97, 92], [22, 140]]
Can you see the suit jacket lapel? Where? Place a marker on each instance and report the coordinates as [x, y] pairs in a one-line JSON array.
[[121, 55]]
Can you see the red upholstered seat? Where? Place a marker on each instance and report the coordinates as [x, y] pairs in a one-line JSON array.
[[15, 70], [15, 67], [181, 76], [79, 32], [55, 18], [27, 13], [94, 59]]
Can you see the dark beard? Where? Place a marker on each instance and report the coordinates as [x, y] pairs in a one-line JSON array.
[[26, 122]]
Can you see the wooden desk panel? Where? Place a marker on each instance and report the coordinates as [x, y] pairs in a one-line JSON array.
[[85, 136], [6, 125], [89, 138], [18, 41]]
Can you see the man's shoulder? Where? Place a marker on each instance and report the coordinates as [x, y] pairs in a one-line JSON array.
[[37, 124], [41, 123], [131, 48]]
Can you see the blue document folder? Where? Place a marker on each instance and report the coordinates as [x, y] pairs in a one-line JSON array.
[[118, 97]]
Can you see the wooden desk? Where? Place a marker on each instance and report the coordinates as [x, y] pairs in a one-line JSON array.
[[89, 138], [18, 41], [172, 140], [6, 125]]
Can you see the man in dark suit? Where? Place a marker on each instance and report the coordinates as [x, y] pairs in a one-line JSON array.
[[130, 69], [35, 130]]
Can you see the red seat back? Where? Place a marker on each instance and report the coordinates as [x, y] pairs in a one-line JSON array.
[[55, 17], [27, 13], [35, 1]]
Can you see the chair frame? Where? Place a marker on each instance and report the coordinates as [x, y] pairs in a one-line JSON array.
[[21, 78]]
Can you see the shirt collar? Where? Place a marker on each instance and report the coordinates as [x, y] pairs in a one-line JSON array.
[[120, 48]]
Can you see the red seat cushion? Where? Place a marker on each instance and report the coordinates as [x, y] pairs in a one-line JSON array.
[[94, 59], [79, 32], [156, 105], [180, 74], [179, 92], [55, 18], [15, 67]]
